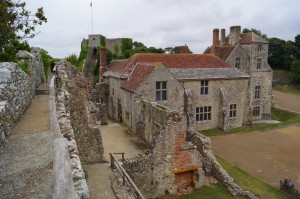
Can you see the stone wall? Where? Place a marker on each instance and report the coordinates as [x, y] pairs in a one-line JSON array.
[[212, 167], [100, 98], [280, 79], [170, 161], [18, 88], [80, 113]]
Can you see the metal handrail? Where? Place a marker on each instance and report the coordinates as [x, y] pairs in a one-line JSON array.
[[126, 178]]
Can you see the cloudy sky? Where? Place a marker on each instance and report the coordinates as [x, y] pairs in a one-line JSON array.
[[159, 23]]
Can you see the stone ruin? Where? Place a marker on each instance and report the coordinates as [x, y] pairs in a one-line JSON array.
[[178, 160]]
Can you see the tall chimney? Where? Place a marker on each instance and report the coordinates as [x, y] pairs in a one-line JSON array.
[[216, 37], [103, 61], [185, 49], [222, 40], [235, 33]]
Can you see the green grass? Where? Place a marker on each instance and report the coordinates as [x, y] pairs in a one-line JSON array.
[[286, 117], [294, 90], [280, 72], [251, 183], [216, 191]]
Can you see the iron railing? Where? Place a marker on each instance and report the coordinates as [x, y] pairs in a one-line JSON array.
[[127, 181]]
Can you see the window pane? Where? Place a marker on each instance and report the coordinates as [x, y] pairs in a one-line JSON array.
[[197, 109], [158, 85], [206, 90], [164, 85], [209, 108], [201, 117], [205, 108], [202, 91], [201, 109], [202, 83], [164, 95], [205, 116], [158, 97], [209, 116]]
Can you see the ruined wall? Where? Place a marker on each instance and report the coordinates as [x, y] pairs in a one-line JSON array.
[[80, 111], [17, 88], [100, 98], [221, 93], [212, 167], [110, 44], [171, 165]]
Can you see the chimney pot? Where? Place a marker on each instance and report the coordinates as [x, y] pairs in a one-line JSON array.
[[185, 49]]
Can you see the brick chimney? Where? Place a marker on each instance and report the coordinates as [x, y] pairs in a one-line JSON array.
[[234, 36], [185, 49], [103, 61], [216, 37], [222, 40]]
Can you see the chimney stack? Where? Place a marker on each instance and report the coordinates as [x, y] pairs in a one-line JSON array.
[[185, 49], [234, 36], [103, 61], [222, 40], [216, 37]]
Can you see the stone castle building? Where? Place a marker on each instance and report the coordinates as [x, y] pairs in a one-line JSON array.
[[248, 52]]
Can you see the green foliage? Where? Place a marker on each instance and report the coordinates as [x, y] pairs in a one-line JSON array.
[[73, 59], [286, 117], [175, 50], [46, 59], [102, 41], [137, 44], [294, 74], [126, 45], [17, 25], [116, 49], [24, 66]]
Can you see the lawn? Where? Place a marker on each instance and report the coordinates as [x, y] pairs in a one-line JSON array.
[[286, 117], [242, 178], [294, 90], [251, 183]]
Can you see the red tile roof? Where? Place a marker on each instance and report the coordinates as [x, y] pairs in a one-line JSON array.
[[117, 66], [220, 51], [139, 73], [251, 37]]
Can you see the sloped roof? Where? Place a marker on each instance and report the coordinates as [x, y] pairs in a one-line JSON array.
[[116, 68], [220, 51], [139, 73], [207, 73], [251, 37]]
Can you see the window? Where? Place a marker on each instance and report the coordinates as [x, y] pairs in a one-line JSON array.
[[203, 113], [204, 88], [256, 111], [232, 112], [161, 91], [257, 92], [258, 63], [259, 47], [237, 62]]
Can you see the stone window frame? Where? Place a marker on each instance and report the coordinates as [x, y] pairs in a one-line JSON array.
[[259, 47], [233, 110], [258, 63], [204, 87], [238, 62], [203, 113], [256, 111], [161, 91], [257, 92]]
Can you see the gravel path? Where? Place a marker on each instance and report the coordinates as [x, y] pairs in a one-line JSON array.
[[115, 139], [26, 159]]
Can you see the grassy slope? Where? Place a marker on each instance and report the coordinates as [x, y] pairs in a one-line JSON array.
[[250, 183], [285, 117], [287, 89]]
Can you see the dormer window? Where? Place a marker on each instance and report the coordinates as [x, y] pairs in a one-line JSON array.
[[238, 62], [258, 63]]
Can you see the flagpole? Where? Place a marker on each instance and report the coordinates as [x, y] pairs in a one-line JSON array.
[[91, 4]]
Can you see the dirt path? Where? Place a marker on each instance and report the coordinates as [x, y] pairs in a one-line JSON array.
[[286, 101], [115, 139], [269, 155], [26, 159]]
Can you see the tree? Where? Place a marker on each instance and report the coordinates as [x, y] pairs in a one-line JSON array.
[[16, 26], [294, 74]]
